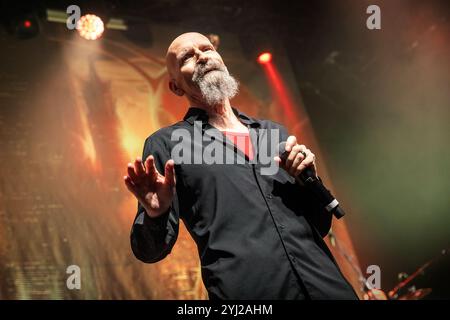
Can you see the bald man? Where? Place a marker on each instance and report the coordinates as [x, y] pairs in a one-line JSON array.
[[259, 236]]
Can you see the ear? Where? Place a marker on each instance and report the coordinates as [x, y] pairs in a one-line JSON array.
[[174, 88]]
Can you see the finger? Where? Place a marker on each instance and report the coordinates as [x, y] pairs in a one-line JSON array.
[[304, 149], [308, 161], [138, 168], [298, 159], [277, 159], [299, 149], [133, 189], [130, 185], [132, 173], [151, 172], [150, 167], [292, 155], [169, 173], [290, 142]]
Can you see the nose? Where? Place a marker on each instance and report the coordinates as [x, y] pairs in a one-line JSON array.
[[202, 58]]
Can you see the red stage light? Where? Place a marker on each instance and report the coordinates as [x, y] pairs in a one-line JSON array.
[[27, 23], [280, 91], [265, 57]]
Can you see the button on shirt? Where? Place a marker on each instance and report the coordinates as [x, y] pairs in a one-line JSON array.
[[259, 235]]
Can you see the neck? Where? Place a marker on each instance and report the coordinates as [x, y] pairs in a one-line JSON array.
[[222, 116]]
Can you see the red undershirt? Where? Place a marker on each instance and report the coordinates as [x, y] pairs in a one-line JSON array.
[[243, 143]]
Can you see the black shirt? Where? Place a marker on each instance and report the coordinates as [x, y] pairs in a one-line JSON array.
[[259, 236]]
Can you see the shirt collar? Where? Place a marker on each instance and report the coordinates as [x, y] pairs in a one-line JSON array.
[[197, 114]]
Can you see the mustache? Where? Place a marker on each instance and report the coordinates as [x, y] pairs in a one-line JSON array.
[[201, 69]]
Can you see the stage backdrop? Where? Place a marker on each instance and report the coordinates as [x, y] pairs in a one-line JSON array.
[[73, 114]]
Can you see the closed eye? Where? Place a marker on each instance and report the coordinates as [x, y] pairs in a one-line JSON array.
[[186, 57], [190, 55]]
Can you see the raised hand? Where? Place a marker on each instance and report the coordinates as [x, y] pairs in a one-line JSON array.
[[153, 190]]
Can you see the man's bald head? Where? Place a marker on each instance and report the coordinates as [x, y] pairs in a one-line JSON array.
[[180, 43], [197, 70]]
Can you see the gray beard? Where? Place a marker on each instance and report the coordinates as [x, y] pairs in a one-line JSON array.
[[216, 85]]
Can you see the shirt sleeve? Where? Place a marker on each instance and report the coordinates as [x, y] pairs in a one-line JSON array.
[[152, 239], [317, 215]]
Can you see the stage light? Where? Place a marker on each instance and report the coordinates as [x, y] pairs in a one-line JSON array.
[[23, 26], [90, 27], [265, 57]]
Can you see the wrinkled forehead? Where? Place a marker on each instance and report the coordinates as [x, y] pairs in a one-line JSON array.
[[184, 43]]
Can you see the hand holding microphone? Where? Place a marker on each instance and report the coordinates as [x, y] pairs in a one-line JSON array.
[[294, 158], [299, 162]]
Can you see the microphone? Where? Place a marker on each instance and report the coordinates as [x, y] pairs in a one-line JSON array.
[[314, 184]]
